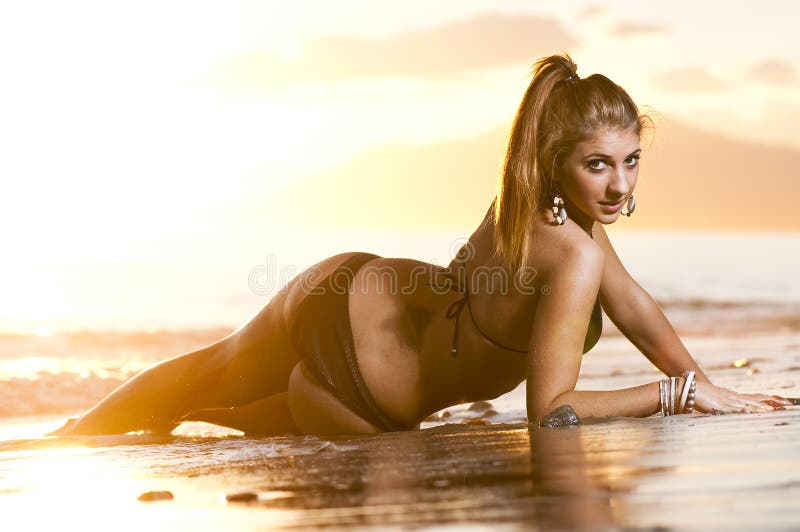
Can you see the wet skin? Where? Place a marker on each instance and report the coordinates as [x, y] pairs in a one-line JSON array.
[[254, 379]]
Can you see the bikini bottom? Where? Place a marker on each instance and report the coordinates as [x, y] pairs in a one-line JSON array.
[[322, 335]]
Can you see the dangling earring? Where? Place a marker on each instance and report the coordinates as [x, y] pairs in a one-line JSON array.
[[631, 206], [559, 212]]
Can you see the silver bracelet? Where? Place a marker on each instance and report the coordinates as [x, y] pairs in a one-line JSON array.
[[673, 391], [691, 384], [666, 397], [689, 376]]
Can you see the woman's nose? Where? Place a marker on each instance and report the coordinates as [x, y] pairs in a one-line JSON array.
[[619, 182]]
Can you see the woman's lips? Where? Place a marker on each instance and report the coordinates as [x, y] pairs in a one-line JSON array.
[[613, 208]]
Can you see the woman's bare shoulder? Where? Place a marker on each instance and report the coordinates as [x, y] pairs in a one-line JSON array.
[[553, 245]]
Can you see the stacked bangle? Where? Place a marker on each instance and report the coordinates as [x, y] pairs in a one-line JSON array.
[[667, 387], [673, 394], [689, 388], [675, 402]]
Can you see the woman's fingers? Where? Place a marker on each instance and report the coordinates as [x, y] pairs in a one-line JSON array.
[[777, 398], [785, 400], [765, 397], [717, 400], [772, 400], [762, 403]]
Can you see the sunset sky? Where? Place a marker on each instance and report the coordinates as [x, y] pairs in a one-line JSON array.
[[199, 136]]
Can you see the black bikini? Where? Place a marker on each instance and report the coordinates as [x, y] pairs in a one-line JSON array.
[[322, 335]]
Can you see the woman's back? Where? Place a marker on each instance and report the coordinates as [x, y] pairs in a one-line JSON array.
[[404, 337]]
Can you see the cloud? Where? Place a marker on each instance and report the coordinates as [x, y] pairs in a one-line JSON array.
[[482, 42], [590, 12], [774, 72], [689, 79], [635, 29]]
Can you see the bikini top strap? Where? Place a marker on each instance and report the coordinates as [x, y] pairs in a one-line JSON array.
[[454, 311]]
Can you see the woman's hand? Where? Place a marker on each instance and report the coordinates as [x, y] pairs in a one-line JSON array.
[[713, 399]]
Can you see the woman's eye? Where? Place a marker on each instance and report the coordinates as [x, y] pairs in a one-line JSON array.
[[632, 161], [596, 165]]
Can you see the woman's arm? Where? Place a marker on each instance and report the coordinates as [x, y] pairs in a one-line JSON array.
[[638, 316], [559, 328], [556, 349], [556, 344], [645, 325]]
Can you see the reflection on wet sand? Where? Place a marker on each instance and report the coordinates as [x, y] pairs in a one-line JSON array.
[[566, 494], [446, 474], [735, 470]]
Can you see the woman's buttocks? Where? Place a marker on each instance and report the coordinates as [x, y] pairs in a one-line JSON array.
[[399, 328], [307, 282], [403, 342]]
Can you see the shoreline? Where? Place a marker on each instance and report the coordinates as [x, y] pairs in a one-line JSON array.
[[616, 472]]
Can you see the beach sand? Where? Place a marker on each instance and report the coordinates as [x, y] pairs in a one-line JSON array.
[[472, 468]]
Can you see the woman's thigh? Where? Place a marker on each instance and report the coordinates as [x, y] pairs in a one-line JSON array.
[[264, 417], [255, 360], [252, 362], [317, 411]]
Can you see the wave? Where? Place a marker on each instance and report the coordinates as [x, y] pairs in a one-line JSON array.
[[54, 393]]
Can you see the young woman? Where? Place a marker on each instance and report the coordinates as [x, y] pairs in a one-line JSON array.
[[361, 344]]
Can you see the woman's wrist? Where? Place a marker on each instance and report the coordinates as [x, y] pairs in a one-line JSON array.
[[676, 394], [667, 389]]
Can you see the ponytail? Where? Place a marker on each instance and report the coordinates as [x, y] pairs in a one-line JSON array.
[[523, 184], [557, 111]]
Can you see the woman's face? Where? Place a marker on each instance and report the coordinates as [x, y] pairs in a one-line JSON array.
[[599, 175]]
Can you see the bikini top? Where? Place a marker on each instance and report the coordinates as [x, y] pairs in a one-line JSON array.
[[454, 311]]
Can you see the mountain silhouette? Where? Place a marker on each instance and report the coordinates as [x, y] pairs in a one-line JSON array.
[[689, 179]]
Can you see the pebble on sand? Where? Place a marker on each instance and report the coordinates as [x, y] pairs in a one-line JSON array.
[[149, 496], [244, 496]]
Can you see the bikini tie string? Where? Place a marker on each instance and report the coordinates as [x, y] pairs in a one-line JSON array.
[[454, 310]]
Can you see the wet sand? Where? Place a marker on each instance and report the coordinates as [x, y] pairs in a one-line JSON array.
[[734, 471]]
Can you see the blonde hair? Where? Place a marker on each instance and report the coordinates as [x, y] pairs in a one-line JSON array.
[[557, 111]]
